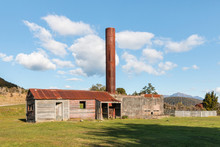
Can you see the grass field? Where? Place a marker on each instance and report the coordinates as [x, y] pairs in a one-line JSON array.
[[14, 131]]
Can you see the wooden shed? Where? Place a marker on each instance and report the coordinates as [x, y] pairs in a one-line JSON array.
[[59, 105]]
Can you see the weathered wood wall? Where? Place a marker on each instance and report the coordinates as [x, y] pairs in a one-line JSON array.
[[87, 113], [46, 110], [98, 110], [30, 114]]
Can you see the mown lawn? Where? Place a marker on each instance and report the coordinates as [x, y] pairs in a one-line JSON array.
[[14, 131]]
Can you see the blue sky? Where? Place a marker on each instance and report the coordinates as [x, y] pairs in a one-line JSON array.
[[60, 44]]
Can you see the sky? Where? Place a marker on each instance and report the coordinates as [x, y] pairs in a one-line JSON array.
[[61, 44]]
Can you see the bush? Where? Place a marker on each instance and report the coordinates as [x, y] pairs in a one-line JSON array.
[[124, 117]]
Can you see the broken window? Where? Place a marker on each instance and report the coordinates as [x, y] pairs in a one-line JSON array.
[[82, 104]]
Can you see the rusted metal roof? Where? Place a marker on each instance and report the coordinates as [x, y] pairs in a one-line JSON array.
[[50, 94], [152, 95]]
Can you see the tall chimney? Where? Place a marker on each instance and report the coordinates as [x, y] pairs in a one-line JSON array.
[[110, 60]]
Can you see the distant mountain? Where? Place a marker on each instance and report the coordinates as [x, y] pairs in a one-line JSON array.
[[4, 83], [184, 100], [179, 94]]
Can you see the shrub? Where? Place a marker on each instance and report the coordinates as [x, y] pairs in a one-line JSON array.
[[124, 117]]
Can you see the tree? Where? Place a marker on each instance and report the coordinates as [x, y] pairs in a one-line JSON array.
[[98, 87], [211, 101], [121, 91], [148, 89], [135, 93]]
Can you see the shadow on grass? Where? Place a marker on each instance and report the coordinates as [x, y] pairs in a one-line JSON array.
[[23, 120], [155, 135]]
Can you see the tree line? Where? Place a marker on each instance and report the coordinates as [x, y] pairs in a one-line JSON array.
[[149, 89]]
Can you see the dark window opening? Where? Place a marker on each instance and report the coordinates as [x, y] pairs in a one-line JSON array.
[[82, 104], [31, 107], [152, 113]]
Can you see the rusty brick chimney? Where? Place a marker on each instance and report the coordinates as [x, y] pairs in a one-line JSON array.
[[110, 60]]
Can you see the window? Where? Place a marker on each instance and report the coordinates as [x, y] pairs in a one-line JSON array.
[[30, 107], [82, 104]]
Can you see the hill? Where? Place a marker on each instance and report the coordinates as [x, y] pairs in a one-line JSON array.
[[184, 100], [179, 94], [11, 93], [4, 83]]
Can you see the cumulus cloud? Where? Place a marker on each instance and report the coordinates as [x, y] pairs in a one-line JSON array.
[[195, 67], [74, 79], [63, 64], [134, 65], [64, 26], [61, 72], [35, 61], [47, 40], [152, 55], [77, 72], [185, 45], [89, 54], [6, 58], [217, 90], [133, 40], [166, 66]]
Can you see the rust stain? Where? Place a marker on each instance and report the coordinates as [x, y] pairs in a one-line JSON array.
[[110, 60], [46, 94]]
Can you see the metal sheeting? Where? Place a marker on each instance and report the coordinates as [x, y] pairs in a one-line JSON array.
[[48, 94]]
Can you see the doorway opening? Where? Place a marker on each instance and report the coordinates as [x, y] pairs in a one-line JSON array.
[[59, 111]]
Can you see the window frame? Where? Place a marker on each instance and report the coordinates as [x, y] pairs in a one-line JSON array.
[[84, 104]]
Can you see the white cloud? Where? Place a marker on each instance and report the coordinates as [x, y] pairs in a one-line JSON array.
[[74, 79], [195, 67], [152, 55], [61, 72], [136, 66], [133, 40], [217, 90], [77, 72], [6, 58], [47, 40], [185, 68], [89, 54], [166, 66], [53, 87], [185, 45], [63, 64], [2, 55], [133, 65], [218, 63], [65, 26], [67, 86], [35, 61]]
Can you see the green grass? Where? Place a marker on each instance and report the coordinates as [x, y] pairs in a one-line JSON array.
[[14, 131]]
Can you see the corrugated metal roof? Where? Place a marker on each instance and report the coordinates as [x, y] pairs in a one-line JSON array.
[[49, 94], [152, 95]]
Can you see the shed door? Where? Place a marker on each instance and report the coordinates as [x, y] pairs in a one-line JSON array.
[[59, 111]]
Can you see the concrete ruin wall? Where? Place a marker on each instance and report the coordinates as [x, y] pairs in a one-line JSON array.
[[195, 113], [140, 106]]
